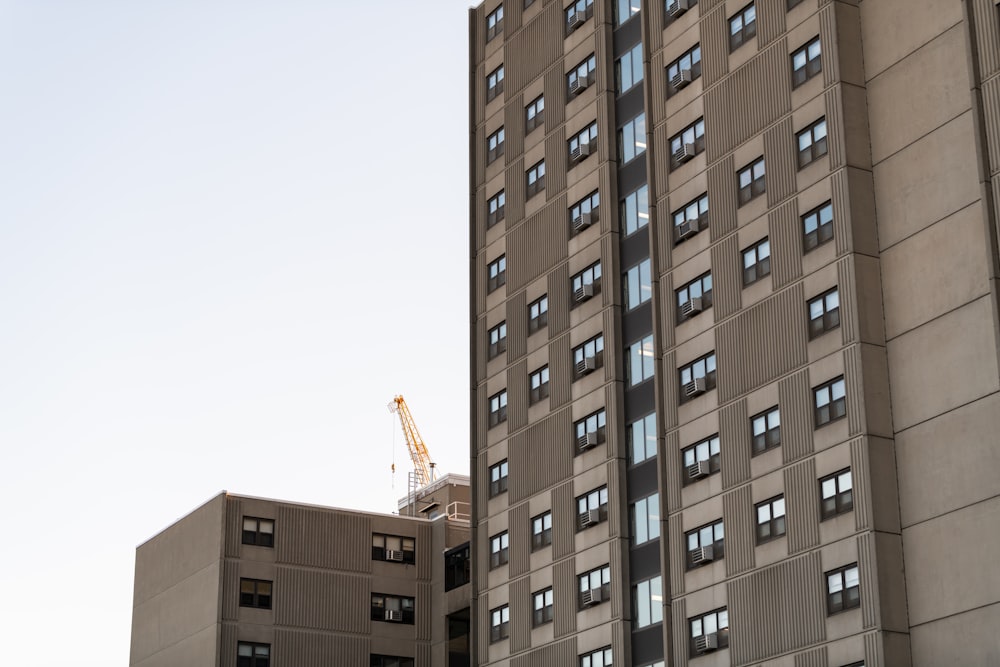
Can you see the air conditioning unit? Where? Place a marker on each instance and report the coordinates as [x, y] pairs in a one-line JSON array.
[[685, 153], [695, 387], [584, 292], [591, 597], [585, 148], [678, 7], [703, 555], [699, 470], [582, 221], [394, 555], [681, 79], [587, 440], [706, 643], [578, 85], [590, 517], [394, 615], [586, 365], [577, 19], [692, 307], [687, 229]]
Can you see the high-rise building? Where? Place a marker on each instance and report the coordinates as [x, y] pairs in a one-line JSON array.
[[735, 332]]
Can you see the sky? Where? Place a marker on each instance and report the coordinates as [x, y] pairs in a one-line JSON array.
[[230, 232]]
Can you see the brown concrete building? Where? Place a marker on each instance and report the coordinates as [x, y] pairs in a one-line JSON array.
[[735, 332], [250, 582]]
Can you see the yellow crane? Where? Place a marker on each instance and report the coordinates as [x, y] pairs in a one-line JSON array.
[[423, 467]]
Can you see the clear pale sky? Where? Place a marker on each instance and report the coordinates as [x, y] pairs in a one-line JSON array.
[[230, 232]]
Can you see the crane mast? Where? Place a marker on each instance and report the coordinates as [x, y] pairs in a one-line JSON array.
[[423, 467]]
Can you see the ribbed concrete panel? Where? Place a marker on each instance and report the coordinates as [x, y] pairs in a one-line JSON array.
[[657, 79], [556, 156], [558, 301], [795, 406], [721, 198], [482, 564], [322, 600], [480, 283], [759, 89], [873, 650], [869, 585], [555, 95], [670, 457], [425, 552], [538, 245], [987, 33], [560, 372], [513, 13], [557, 653], [479, 215], [227, 645], [661, 155], [737, 518], [423, 610], [616, 490], [663, 239], [517, 327], [482, 485], [780, 158], [483, 616], [679, 633], [230, 590], [613, 442], [862, 483], [611, 290], [677, 546], [991, 118], [514, 194], [617, 575], [606, 149], [734, 443], [848, 304], [670, 390], [714, 43], [480, 134], [855, 390], [786, 243], [479, 400], [424, 655], [842, 223], [612, 352], [527, 53], [520, 618], [541, 456], [513, 123], [711, 4], [770, 21], [564, 597], [835, 127], [517, 395], [477, 33], [317, 538], [802, 499], [814, 658], [668, 314], [234, 527], [519, 531], [479, 83], [762, 343], [311, 649], [608, 188], [652, 17], [727, 279], [563, 520], [830, 45], [478, 354], [782, 608]]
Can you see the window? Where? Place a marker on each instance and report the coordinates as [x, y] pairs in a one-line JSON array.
[[394, 548], [494, 144], [765, 430], [709, 632], [594, 587], [830, 402], [539, 385], [541, 531], [599, 658], [542, 607], [641, 361], [791, 4], [259, 532], [583, 144], [392, 608], [498, 408], [390, 661], [588, 357], [624, 10], [581, 76], [499, 623], [457, 567], [697, 377], [645, 514], [628, 69], [538, 314], [528, 3], [647, 601], [807, 62], [635, 210], [684, 70], [824, 313], [677, 7], [701, 459], [253, 655], [498, 340], [770, 519], [590, 431], [687, 143], [494, 23], [694, 297], [535, 179], [534, 114], [638, 285], [817, 227], [756, 262], [255, 593], [499, 550], [751, 181], [836, 494], [578, 13], [495, 208], [494, 83], [812, 142], [498, 479], [592, 508], [632, 139], [705, 544], [742, 27], [585, 212], [641, 436], [497, 273], [587, 283], [842, 589], [691, 218]]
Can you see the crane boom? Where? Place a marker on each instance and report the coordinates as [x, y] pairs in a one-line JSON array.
[[422, 465]]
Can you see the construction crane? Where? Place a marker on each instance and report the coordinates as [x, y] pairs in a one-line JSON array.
[[423, 467]]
